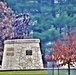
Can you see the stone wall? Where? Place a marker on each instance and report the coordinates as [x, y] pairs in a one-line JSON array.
[[22, 54]]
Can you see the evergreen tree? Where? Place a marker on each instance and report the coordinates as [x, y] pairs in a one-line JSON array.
[[51, 19]]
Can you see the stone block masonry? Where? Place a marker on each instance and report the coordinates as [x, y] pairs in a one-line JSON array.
[[22, 54]]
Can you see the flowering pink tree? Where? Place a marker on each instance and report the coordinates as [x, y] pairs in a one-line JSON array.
[[6, 29]]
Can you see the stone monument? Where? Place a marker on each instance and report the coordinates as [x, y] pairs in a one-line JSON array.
[[22, 54]]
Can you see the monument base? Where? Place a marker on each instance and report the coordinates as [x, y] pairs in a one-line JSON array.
[[22, 54]]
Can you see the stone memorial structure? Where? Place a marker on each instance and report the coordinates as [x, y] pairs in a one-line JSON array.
[[22, 54]]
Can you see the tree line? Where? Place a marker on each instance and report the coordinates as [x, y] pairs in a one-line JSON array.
[[51, 19]]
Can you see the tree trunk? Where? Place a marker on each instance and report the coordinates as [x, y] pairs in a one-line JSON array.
[[2, 0], [53, 68], [68, 26], [52, 6], [68, 68], [58, 67], [60, 30]]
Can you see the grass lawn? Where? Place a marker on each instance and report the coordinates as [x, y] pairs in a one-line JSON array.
[[24, 73], [42, 72]]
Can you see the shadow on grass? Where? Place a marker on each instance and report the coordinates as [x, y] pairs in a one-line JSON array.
[[62, 72]]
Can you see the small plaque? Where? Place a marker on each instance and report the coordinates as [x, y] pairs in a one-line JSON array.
[[10, 54], [10, 49], [28, 52]]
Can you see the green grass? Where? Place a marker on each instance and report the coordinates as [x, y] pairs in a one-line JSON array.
[[24, 73], [39, 72], [65, 72]]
